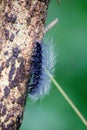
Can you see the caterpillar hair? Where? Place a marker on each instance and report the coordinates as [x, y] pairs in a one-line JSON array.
[[42, 58]]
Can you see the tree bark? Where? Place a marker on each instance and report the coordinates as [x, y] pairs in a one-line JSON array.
[[22, 23]]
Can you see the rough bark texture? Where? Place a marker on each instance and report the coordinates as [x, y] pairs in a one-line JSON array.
[[21, 24]]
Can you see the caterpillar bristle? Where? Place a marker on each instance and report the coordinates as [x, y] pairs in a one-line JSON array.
[[42, 58]]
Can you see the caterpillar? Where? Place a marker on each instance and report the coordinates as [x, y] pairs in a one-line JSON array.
[[42, 58]]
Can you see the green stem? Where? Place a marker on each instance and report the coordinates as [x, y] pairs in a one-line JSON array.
[[68, 99]]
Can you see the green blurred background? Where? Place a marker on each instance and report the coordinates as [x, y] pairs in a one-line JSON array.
[[70, 39]]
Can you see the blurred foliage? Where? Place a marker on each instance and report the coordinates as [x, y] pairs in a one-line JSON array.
[[70, 40]]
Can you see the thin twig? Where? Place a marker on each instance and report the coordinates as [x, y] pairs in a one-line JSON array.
[[82, 118], [55, 21]]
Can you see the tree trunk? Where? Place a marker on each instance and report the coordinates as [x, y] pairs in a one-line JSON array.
[[21, 24]]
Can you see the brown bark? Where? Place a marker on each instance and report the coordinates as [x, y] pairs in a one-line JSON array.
[[21, 24]]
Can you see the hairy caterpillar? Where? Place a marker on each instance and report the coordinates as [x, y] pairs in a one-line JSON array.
[[42, 58]]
